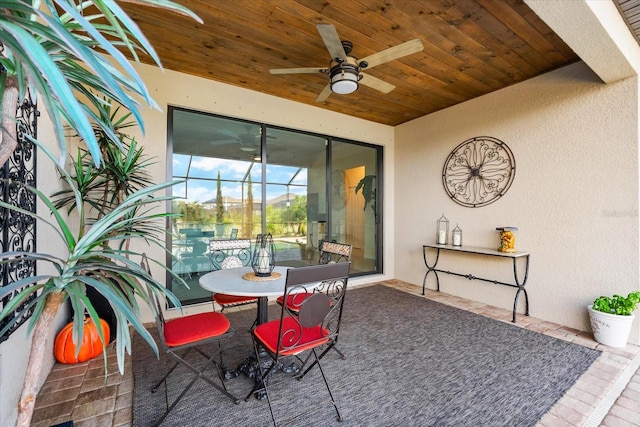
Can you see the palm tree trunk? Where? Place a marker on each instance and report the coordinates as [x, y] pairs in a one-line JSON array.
[[36, 358], [9, 140]]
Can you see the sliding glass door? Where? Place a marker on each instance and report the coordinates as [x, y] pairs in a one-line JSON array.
[[242, 179], [354, 197]]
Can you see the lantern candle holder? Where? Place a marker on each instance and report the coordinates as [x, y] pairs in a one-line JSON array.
[[507, 239], [456, 236], [263, 259], [442, 230]]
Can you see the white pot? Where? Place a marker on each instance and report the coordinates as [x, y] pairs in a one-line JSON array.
[[610, 329]]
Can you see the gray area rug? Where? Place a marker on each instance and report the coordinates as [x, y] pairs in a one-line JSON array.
[[410, 362]]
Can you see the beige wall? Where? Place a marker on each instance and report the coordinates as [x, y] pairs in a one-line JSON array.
[[574, 197]]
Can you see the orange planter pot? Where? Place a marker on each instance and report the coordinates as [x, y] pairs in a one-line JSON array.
[[64, 348]]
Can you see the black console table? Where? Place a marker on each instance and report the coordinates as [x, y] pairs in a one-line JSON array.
[[514, 256]]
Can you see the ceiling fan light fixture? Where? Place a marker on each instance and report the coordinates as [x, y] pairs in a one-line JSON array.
[[344, 79]]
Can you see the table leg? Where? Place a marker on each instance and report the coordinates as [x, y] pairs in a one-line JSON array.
[[430, 268], [520, 287], [263, 310]]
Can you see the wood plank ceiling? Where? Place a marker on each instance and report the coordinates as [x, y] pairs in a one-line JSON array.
[[471, 47], [630, 11]]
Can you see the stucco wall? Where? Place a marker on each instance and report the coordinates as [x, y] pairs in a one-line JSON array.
[[574, 197]]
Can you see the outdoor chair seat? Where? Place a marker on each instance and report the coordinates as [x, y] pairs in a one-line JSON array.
[[226, 300], [267, 334], [189, 329]]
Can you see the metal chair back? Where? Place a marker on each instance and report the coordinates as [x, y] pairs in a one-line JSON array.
[[222, 249]]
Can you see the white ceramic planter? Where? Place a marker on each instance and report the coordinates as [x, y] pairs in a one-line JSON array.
[[610, 329]]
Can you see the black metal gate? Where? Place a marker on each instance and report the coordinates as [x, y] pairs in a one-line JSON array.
[[17, 230]]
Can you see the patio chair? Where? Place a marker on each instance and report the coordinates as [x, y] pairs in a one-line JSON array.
[[334, 252], [230, 253], [330, 252], [234, 233], [195, 257], [313, 329], [178, 337]]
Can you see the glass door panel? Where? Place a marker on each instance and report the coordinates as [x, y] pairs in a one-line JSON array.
[[219, 159], [296, 208], [242, 179], [354, 171]]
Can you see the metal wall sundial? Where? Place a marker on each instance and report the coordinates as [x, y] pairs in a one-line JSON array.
[[479, 171]]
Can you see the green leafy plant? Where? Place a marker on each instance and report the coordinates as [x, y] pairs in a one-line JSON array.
[[618, 304], [95, 258], [104, 187], [368, 187], [70, 53], [219, 201]]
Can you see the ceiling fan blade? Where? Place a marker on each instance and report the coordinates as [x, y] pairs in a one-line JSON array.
[[324, 94], [395, 52], [376, 83], [297, 70], [224, 135], [332, 41]]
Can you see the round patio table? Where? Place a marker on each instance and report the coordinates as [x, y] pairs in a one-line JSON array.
[[232, 281]]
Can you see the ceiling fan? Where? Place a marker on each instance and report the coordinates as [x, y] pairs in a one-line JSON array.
[[247, 140], [345, 70]]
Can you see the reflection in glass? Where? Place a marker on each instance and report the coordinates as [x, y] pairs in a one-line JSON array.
[[243, 179]]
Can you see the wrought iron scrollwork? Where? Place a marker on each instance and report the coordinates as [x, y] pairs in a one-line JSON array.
[[18, 231], [479, 171]]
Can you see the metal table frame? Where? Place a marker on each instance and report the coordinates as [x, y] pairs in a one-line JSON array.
[[515, 256]]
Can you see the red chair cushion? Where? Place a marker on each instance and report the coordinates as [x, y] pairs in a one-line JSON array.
[[224, 299], [188, 329], [267, 334], [294, 301]]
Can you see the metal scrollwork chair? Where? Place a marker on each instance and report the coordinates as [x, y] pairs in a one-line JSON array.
[[232, 253], [312, 329], [334, 252], [178, 337], [330, 252]]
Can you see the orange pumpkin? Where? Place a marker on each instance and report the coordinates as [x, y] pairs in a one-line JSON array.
[[64, 349]]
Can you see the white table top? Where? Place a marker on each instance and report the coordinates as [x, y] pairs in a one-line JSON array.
[[229, 281]]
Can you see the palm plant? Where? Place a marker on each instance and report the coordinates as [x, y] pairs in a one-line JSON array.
[[71, 54], [96, 258], [123, 171]]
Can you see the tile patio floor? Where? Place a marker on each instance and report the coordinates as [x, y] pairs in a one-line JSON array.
[[608, 394]]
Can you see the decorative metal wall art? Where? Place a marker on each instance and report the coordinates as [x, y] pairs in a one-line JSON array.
[[18, 231], [479, 171]]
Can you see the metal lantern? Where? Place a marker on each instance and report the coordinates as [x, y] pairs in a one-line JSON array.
[[263, 260], [456, 236], [442, 230]]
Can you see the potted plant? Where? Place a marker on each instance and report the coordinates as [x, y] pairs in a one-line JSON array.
[[66, 51], [612, 317], [102, 188], [96, 258], [368, 187]]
